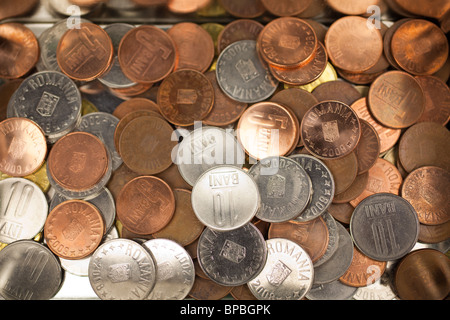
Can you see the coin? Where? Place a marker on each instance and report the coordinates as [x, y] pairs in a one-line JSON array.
[[11, 9], [332, 291], [119, 178], [387, 39], [355, 190], [329, 74], [245, 8], [330, 130], [206, 289], [286, 8], [234, 257], [145, 205], [242, 293], [396, 99], [74, 229], [368, 148], [384, 226], [288, 273], [434, 233], [225, 198], [342, 212], [437, 100], [337, 90], [134, 104], [183, 7], [121, 269], [239, 29], [352, 7], [344, 171], [173, 178]]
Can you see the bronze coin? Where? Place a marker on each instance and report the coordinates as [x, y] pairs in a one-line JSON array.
[[240, 29], [330, 130], [426, 188], [205, 289], [185, 7], [313, 236], [352, 45], [352, 7], [145, 205], [342, 212], [185, 96], [387, 42], [337, 90], [434, 234], [363, 270], [244, 8], [423, 274], [242, 292], [147, 54], [23, 147], [286, 8], [356, 189], [396, 99], [420, 47], [133, 91], [173, 178], [19, 50], [86, 3], [268, 129], [425, 144], [78, 161], [437, 100], [287, 42], [319, 28], [195, 47], [119, 178], [74, 229], [12, 8], [344, 171], [362, 78], [388, 136], [85, 53], [7, 90], [134, 104], [382, 63], [146, 3], [368, 148], [146, 145], [432, 9]]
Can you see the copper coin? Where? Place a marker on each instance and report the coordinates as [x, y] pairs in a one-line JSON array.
[[14, 8], [420, 47], [352, 45], [432, 9], [268, 129], [78, 161], [396, 99], [383, 177], [307, 73], [344, 171], [146, 145], [185, 96], [330, 130], [356, 189], [388, 136], [225, 110], [173, 178], [74, 229], [23, 147], [133, 91], [145, 205], [285, 8], [19, 50], [319, 28], [382, 63], [363, 271], [185, 7], [134, 104], [352, 7], [195, 47], [425, 144], [387, 39], [426, 188], [368, 148], [119, 178], [437, 100], [147, 54], [287, 42], [362, 78], [85, 53], [184, 227], [423, 274], [342, 212], [337, 90], [7, 90], [205, 289], [434, 234], [244, 8], [147, 3], [240, 29], [86, 3], [242, 293], [313, 236]]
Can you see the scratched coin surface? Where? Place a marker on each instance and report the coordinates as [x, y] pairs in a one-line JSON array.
[[384, 226], [121, 269], [234, 257], [287, 275]]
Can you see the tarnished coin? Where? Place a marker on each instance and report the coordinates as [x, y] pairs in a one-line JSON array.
[[342, 212], [344, 171], [29, 271], [368, 148], [134, 104], [284, 187], [121, 269], [206, 289], [234, 257], [355, 190], [287, 275], [225, 198], [175, 273], [437, 100], [11, 9], [333, 242], [23, 210], [337, 90], [239, 29], [384, 227]]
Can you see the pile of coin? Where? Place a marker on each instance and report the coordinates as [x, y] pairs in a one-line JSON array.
[[263, 159]]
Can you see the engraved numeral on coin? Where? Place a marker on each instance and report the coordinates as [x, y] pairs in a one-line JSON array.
[[19, 201], [34, 263], [379, 230], [223, 206]]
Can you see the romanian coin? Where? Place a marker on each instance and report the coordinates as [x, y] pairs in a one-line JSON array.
[[206, 289], [175, 273], [287, 275], [384, 227], [344, 171], [334, 290], [285, 8], [240, 29], [337, 90], [225, 198], [381, 289], [355, 190], [368, 149], [437, 100], [333, 236], [234, 257], [29, 271], [121, 269], [284, 187], [245, 8]]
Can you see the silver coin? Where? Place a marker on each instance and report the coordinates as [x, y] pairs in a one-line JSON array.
[[287, 275], [284, 187], [243, 75], [232, 258], [23, 209], [225, 198], [384, 226], [333, 236], [322, 184], [205, 148], [175, 270], [333, 268], [335, 290], [51, 99], [29, 271], [121, 269], [102, 125], [114, 77]]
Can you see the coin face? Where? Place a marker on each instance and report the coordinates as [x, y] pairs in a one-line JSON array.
[[368, 149], [240, 29], [286, 7], [352, 7], [437, 100], [245, 8], [337, 90]]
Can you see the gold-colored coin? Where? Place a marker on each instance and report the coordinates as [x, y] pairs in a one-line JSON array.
[[39, 177], [87, 107]]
